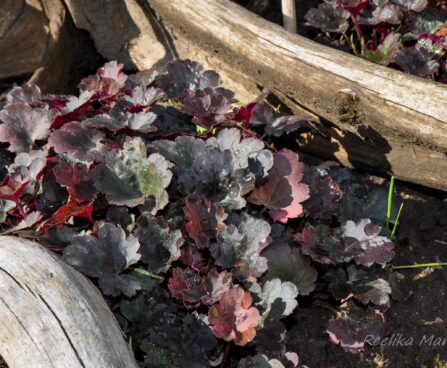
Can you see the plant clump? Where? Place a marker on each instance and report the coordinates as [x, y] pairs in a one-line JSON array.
[[201, 234], [406, 34]]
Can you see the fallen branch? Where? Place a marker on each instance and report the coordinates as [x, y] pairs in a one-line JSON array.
[[52, 316]]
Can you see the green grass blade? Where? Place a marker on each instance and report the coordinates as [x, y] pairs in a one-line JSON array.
[[390, 202], [396, 223], [420, 265]]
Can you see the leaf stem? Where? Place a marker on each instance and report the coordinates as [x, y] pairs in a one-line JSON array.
[[420, 265], [358, 31], [224, 359]]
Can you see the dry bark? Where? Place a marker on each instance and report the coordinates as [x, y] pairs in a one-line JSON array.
[[39, 40], [51, 316]]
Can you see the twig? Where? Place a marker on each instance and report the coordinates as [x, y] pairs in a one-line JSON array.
[[289, 15]]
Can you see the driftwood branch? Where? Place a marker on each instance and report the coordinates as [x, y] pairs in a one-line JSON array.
[[51, 316], [39, 41], [288, 8]]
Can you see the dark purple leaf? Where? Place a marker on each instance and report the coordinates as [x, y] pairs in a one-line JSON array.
[[328, 18], [264, 115], [159, 245], [354, 327], [105, 258], [79, 142], [186, 75], [209, 107], [417, 61], [382, 13], [287, 264], [241, 243], [365, 286], [324, 197]]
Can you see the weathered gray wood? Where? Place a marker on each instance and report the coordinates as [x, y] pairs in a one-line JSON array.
[[288, 8], [38, 39], [23, 37], [120, 30], [51, 316]]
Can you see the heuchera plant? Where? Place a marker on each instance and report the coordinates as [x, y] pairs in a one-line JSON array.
[[200, 241], [407, 34]]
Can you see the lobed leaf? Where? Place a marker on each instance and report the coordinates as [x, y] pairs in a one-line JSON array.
[[233, 318], [264, 115], [354, 327], [205, 219], [283, 193], [287, 264], [105, 257], [159, 246], [328, 18], [22, 125], [130, 177]]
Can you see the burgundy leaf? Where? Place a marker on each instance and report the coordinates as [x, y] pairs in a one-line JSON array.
[[187, 286], [22, 125], [205, 219], [109, 79], [283, 193], [73, 208], [77, 140], [74, 176], [354, 327]]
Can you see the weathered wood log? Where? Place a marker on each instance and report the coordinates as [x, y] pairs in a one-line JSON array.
[[51, 316], [38, 39], [23, 36], [288, 8], [369, 117], [134, 41]]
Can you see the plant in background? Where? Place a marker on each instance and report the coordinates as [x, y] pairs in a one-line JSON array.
[[409, 35], [202, 242]]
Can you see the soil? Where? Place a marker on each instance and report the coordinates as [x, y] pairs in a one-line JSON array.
[[418, 312]]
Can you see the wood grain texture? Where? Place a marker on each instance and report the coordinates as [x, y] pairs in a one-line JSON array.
[[51, 316], [23, 37], [288, 9], [120, 29]]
